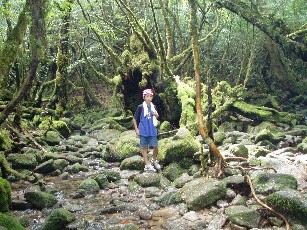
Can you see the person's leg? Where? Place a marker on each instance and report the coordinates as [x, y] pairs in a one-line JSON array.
[[145, 155], [155, 153]]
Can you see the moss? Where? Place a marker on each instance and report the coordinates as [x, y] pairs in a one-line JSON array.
[[62, 128], [178, 147], [5, 140], [40, 199], [58, 219], [9, 222], [291, 203], [172, 171], [5, 195], [89, 186], [262, 113], [186, 94], [112, 175]]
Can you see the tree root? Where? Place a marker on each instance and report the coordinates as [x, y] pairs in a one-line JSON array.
[[264, 205]]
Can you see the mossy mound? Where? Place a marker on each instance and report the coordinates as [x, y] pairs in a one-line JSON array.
[[291, 203], [121, 147], [5, 140], [5, 195], [176, 148], [58, 219], [9, 222]]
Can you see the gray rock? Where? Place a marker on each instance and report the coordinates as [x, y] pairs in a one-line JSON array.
[[201, 192], [244, 216]]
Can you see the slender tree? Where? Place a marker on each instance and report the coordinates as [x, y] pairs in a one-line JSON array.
[[195, 44]]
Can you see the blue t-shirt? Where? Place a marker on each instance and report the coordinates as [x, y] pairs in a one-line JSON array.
[[146, 127]]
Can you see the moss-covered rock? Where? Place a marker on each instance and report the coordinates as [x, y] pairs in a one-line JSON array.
[[265, 183], [200, 193], [112, 175], [5, 140], [52, 137], [60, 164], [302, 147], [148, 179], [264, 134], [102, 180], [243, 216], [5, 195], [50, 125], [290, 203], [9, 222], [172, 171], [121, 147], [176, 148], [132, 163], [24, 161], [77, 167], [239, 150], [89, 186], [62, 128], [40, 199], [219, 137], [58, 219]]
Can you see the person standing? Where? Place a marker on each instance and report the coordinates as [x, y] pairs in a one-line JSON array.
[[144, 122]]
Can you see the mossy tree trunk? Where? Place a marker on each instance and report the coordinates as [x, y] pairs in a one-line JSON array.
[[60, 96], [201, 126], [37, 43], [11, 46]]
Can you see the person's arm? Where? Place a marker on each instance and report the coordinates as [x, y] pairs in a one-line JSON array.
[[135, 125], [155, 113]]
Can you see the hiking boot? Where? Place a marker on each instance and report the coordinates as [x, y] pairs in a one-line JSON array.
[[149, 168], [156, 164]]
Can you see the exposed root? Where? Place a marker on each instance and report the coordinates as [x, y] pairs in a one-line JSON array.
[[265, 205]]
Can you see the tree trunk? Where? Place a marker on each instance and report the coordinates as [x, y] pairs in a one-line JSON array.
[[37, 38], [60, 91], [9, 51], [201, 126]]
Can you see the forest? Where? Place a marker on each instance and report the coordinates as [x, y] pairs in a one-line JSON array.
[[230, 86]]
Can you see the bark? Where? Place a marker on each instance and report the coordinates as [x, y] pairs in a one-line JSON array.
[[11, 46], [164, 60], [37, 38], [274, 28], [201, 126], [60, 97]]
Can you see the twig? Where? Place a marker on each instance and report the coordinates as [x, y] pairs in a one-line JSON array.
[[264, 205]]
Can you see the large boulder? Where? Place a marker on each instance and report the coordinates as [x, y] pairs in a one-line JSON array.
[[244, 216], [121, 147], [290, 203], [266, 183], [23, 161], [201, 192], [179, 147], [39, 199]]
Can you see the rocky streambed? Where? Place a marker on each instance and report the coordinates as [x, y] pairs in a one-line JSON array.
[[92, 182]]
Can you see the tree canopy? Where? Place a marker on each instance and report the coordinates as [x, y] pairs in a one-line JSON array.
[[124, 46]]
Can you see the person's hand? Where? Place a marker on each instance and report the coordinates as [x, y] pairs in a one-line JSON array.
[[155, 113], [137, 132]]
